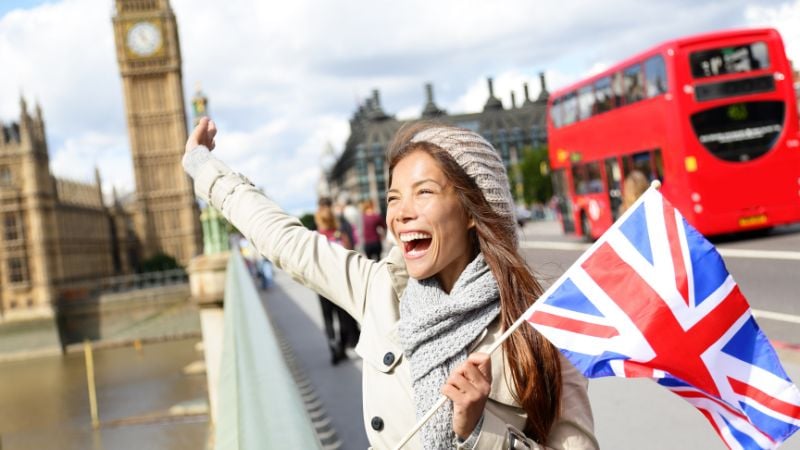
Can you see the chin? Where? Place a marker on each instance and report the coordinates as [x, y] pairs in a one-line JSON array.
[[418, 273]]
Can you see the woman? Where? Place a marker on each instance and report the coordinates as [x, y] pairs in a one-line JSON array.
[[449, 288], [634, 185], [374, 229], [347, 333]]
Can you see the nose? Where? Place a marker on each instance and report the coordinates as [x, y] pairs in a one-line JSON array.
[[405, 211]]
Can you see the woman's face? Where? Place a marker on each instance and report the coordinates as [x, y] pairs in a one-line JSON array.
[[427, 220]]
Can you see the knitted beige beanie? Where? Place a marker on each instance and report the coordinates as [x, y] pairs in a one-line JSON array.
[[478, 159]]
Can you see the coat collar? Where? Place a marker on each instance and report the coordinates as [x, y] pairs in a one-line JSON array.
[[397, 271]]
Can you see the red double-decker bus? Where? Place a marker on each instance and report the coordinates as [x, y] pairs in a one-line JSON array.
[[714, 117]]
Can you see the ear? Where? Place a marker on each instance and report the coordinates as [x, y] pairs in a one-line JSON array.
[[470, 222]]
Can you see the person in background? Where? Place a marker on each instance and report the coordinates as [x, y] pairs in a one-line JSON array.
[[347, 332], [374, 229], [633, 186], [435, 304], [350, 218], [267, 276]]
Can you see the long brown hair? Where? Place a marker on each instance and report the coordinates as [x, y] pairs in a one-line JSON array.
[[534, 362]]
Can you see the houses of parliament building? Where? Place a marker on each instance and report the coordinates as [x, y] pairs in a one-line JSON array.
[[59, 237]]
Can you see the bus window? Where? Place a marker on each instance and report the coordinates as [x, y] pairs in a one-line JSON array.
[[633, 84], [555, 113], [586, 178], [564, 204], [613, 181], [656, 75], [649, 163], [734, 59], [603, 95], [569, 108], [617, 88], [585, 102], [659, 164], [637, 161]]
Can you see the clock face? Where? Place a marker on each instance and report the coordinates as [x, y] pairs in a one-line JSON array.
[[144, 38]]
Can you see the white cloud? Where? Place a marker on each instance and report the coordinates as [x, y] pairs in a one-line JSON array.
[[62, 55], [786, 19], [284, 78], [78, 156]]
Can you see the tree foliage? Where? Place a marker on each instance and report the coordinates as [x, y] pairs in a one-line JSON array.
[[307, 220], [159, 262], [534, 165]]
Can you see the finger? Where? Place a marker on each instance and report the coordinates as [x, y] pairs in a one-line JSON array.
[[461, 381], [201, 129], [477, 381], [474, 374], [212, 129], [212, 145], [462, 392], [483, 362], [451, 392], [198, 134]]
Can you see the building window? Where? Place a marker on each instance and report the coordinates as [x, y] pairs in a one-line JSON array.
[[5, 176], [17, 270], [10, 227]]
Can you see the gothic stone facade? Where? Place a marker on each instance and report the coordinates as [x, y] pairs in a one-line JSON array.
[[56, 234], [361, 171]]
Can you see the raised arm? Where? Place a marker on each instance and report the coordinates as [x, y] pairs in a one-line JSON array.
[[336, 273]]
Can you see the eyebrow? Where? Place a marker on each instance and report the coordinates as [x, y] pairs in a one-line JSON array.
[[426, 180]]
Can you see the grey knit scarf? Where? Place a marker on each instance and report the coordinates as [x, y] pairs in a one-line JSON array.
[[435, 330]]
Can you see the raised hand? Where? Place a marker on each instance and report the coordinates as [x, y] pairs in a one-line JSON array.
[[203, 134], [468, 387]]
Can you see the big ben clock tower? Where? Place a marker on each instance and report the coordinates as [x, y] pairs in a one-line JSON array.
[[167, 218]]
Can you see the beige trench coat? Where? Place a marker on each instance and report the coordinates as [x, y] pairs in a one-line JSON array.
[[370, 292]]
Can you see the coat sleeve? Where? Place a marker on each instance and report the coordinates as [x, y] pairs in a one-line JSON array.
[[334, 272]]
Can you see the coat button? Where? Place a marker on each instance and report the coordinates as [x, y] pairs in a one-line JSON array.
[[388, 358], [377, 423]]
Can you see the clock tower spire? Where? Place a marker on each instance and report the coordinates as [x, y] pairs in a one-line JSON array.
[[148, 52]]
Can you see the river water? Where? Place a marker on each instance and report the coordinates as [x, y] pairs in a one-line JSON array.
[[44, 401]]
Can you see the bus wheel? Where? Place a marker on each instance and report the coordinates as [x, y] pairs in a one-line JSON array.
[[585, 228]]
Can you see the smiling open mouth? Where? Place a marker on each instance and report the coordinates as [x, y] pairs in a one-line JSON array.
[[415, 243]]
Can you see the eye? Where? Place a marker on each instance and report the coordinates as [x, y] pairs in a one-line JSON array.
[[425, 191], [390, 199]]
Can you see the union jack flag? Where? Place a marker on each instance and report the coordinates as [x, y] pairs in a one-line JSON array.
[[652, 298]]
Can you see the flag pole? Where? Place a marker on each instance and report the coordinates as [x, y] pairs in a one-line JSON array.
[[655, 184]]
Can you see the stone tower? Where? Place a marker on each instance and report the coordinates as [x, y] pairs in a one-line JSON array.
[[148, 52], [27, 193]]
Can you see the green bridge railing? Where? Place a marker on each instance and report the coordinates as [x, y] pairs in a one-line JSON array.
[[259, 406]]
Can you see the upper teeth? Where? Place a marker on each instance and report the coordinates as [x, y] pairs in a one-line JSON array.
[[406, 237]]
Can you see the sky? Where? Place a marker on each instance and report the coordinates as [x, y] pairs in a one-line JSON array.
[[283, 78]]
